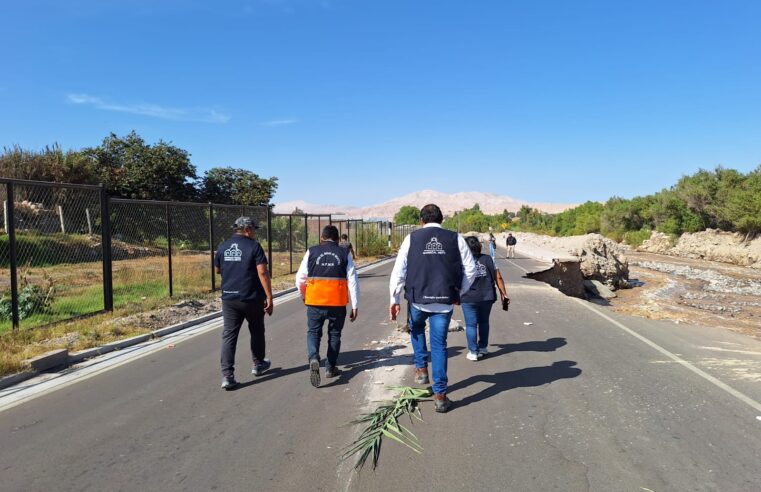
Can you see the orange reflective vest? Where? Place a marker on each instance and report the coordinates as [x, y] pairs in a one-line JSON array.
[[326, 276]]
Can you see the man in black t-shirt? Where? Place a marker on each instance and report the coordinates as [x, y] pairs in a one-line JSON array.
[[246, 294]]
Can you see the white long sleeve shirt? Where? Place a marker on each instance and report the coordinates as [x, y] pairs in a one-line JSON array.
[[351, 277], [399, 274]]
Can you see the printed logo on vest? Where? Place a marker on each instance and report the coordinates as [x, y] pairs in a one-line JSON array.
[[434, 247], [481, 270], [233, 254], [328, 259]]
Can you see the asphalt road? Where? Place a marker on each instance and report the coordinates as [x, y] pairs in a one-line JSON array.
[[573, 401]]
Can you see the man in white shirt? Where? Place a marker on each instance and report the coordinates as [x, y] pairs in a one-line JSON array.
[[434, 267], [327, 280]]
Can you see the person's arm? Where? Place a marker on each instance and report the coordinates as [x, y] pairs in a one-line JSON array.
[[501, 285], [469, 269], [301, 275], [264, 278], [353, 278], [351, 251], [398, 279], [216, 263]]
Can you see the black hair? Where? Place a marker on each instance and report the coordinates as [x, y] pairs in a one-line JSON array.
[[431, 214], [344, 236], [330, 232], [474, 244]]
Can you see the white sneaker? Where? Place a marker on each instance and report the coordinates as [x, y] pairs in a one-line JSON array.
[[473, 355], [483, 352]]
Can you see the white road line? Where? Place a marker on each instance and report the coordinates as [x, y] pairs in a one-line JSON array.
[[514, 263], [720, 384], [47, 383]]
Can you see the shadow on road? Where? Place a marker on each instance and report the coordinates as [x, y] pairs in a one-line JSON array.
[[522, 378], [351, 362], [373, 275], [549, 345]]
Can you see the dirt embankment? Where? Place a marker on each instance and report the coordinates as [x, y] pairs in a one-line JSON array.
[[713, 245]]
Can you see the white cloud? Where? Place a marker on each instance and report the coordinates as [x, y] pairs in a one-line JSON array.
[[280, 122], [152, 110]]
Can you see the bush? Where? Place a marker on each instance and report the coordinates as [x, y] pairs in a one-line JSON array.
[[636, 238], [370, 243], [32, 299]]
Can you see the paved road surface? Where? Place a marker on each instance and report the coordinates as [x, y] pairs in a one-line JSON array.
[[573, 401]]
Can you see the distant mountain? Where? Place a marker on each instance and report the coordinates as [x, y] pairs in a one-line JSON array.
[[449, 203]]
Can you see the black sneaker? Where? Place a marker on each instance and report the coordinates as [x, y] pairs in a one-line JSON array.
[[441, 402], [229, 383], [332, 372], [314, 372], [261, 367]]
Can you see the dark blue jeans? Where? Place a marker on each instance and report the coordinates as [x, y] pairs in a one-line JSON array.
[[438, 330], [477, 324], [316, 317]]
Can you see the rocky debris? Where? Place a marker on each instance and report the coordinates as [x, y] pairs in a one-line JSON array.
[[598, 289], [180, 312], [601, 259], [711, 244], [714, 281], [658, 243]]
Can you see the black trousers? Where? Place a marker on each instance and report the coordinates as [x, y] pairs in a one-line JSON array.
[[233, 315]]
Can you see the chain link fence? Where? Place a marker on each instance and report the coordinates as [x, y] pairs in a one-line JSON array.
[[68, 251]]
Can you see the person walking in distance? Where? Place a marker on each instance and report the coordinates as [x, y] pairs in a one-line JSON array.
[[246, 295], [327, 280], [478, 301], [435, 267], [492, 246], [511, 242], [345, 243]]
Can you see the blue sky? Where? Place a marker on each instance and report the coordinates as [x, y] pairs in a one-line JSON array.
[[355, 102]]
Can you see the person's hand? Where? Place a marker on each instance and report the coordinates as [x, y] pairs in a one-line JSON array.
[[268, 306], [393, 311], [353, 315]]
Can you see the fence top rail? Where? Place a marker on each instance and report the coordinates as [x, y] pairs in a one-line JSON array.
[[136, 201], [48, 184]]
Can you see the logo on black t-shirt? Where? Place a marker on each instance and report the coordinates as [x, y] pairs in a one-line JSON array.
[[481, 270], [233, 254], [434, 247]]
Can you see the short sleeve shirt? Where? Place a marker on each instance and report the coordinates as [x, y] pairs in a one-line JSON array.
[[237, 259]]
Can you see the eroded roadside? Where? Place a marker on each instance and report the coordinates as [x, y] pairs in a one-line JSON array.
[[692, 291]]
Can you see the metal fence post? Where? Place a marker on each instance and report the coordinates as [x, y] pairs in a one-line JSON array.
[[306, 232], [10, 228], [169, 248], [290, 241], [105, 241], [211, 247], [269, 237]]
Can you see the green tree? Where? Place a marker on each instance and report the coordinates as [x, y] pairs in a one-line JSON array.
[[235, 186], [743, 205], [133, 169], [408, 214]]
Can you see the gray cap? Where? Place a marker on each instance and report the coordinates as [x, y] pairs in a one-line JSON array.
[[244, 222]]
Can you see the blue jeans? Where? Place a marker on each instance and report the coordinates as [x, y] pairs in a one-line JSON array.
[[477, 324], [316, 317], [439, 327]]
